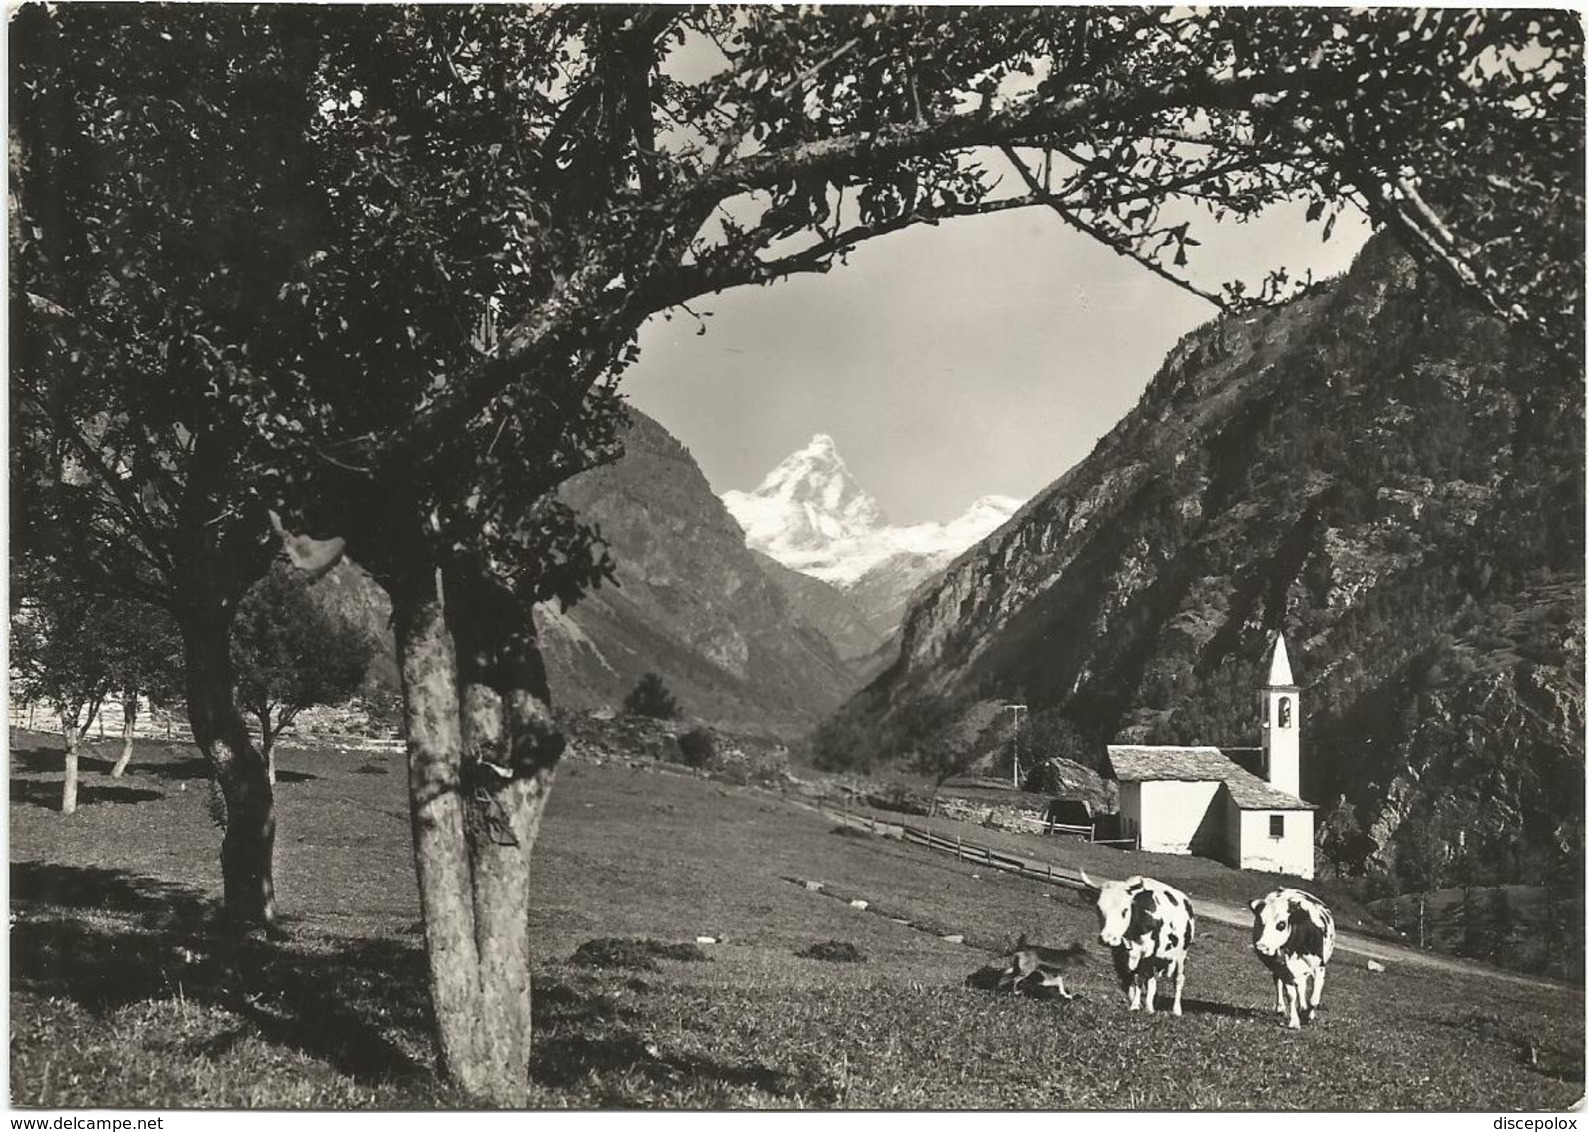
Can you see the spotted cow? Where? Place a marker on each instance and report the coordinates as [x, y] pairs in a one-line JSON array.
[[1147, 926], [1293, 934]]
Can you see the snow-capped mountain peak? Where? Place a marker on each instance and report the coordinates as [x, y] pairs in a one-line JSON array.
[[810, 514], [809, 501]]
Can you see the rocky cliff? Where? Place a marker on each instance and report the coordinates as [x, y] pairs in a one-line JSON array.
[[1394, 482]]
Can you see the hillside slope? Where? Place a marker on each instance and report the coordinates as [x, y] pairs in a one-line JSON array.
[[828, 609], [1394, 482]]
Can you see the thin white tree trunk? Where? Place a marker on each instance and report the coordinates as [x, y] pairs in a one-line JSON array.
[[69, 786], [129, 716]]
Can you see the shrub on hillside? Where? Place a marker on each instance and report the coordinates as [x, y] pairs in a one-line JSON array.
[[650, 697], [696, 748]]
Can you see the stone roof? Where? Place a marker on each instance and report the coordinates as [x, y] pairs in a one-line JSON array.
[[1200, 764], [1249, 792], [1182, 764]]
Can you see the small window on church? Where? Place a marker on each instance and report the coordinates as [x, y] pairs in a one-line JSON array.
[[1276, 825], [1284, 711]]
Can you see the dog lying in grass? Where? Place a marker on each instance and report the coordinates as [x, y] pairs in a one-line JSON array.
[[1047, 964]]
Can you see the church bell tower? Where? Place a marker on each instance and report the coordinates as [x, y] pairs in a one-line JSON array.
[[1282, 724]]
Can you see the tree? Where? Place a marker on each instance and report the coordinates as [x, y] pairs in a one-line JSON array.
[[56, 657], [696, 747], [1051, 735], [292, 653], [651, 697], [929, 729], [851, 739], [149, 222], [146, 662], [399, 257], [75, 650], [1341, 839]]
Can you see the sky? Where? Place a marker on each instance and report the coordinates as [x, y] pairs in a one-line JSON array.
[[982, 356]]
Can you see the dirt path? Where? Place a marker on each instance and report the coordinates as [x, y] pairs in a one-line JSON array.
[[1045, 872]]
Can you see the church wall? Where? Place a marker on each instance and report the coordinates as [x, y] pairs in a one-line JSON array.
[[1292, 853], [1172, 812]]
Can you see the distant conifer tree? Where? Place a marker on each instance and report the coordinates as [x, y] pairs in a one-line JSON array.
[[651, 697]]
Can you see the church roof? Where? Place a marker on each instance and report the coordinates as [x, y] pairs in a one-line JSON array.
[[1249, 792], [1183, 764], [1279, 665], [1200, 764]]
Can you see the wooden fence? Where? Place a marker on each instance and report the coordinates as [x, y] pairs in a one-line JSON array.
[[963, 850]]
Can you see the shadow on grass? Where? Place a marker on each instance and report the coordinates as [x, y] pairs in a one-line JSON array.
[[47, 795], [163, 764], [565, 1061], [295, 776], [332, 1001], [1530, 1050], [184, 769], [1220, 1009], [583, 1034], [52, 760], [155, 903]]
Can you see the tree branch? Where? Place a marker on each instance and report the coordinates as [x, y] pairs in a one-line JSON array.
[[1111, 239], [707, 277]]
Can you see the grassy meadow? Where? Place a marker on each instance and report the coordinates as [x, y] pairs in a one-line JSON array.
[[123, 995]]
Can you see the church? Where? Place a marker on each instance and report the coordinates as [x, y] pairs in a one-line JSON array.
[[1241, 805]]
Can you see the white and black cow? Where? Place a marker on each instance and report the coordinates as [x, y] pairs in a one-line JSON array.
[[1147, 926], [1293, 934]]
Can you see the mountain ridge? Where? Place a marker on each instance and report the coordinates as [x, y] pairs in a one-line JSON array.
[[1396, 483]]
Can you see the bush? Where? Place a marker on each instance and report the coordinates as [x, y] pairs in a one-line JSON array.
[[697, 748], [833, 951], [650, 697], [634, 954]]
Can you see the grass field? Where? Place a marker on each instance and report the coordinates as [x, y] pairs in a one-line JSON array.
[[122, 996]]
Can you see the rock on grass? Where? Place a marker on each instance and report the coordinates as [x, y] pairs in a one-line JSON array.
[[634, 954]]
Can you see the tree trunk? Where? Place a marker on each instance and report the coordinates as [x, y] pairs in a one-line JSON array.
[[248, 845], [129, 716], [267, 744], [436, 810], [510, 746], [482, 750], [69, 785]]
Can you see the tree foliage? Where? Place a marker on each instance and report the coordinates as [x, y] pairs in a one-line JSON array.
[[929, 731], [650, 697], [292, 653], [74, 650]]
